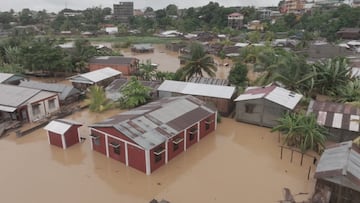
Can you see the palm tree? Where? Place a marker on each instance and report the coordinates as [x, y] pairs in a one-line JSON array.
[[97, 99], [134, 94], [301, 131], [330, 74], [198, 62]]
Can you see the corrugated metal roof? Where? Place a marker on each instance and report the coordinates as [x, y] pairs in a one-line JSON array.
[[5, 76], [63, 90], [118, 60], [272, 93], [336, 115], [143, 46], [210, 81], [95, 76], [153, 123], [14, 96], [60, 126], [340, 164], [207, 90]]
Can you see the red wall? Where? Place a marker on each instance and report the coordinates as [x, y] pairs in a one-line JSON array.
[[137, 158], [124, 69], [171, 152], [55, 139], [120, 157], [112, 131], [155, 165], [71, 136], [188, 142], [101, 147], [203, 131]]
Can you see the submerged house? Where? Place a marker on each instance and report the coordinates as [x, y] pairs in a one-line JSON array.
[[113, 90], [63, 133], [147, 137], [217, 95], [67, 93], [101, 77], [342, 120], [264, 105], [26, 104], [126, 65], [9, 78], [142, 48], [338, 171]]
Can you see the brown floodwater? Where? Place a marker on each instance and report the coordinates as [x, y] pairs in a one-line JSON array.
[[236, 163]]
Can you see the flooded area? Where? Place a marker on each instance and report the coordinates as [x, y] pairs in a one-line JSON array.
[[236, 163]]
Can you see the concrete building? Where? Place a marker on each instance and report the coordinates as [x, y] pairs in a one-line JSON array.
[[235, 20], [123, 11], [147, 137], [264, 105], [26, 104], [217, 95], [126, 65]]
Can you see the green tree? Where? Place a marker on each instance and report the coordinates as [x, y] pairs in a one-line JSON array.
[[147, 71], [331, 74], [302, 131], [238, 75], [349, 92], [134, 94], [97, 99], [198, 62]]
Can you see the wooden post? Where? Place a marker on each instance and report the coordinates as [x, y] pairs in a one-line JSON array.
[[309, 172], [302, 157], [281, 152], [292, 153]]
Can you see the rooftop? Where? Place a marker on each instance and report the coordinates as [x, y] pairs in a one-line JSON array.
[[207, 90], [60, 126], [278, 95], [13, 96], [153, 123], [119, 60], [95, 76]]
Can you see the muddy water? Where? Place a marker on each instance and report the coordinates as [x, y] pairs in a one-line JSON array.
[[237, 163], [169, 60]]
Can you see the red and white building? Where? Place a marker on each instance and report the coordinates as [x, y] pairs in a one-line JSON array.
[[63, 133], [149, 136]]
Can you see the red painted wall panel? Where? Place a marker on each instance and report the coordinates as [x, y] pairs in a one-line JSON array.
[[112, 131], [156, 164], [203, 130], [137, 158], [55, 139], [190, 142], [99, 145], [112, 150], [71, 136], [171, 152]]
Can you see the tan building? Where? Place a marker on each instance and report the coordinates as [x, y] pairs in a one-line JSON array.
[[235, 20]]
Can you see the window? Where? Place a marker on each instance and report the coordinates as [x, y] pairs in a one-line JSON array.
[[249, 108], [51, 104], [36, 109], [175, 147], [208, 121], [158, 158], [191, 137], [116, 147], [158, 154], [96, 139]]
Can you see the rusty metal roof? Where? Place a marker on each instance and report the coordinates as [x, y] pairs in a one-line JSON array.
[[340, 164], [151, 124], [336, 115]]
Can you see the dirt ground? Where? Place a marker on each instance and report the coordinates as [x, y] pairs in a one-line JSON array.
[[236, 163]]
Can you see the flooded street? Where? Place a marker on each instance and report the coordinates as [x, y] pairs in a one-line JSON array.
[[169, 60], [236, 163]]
